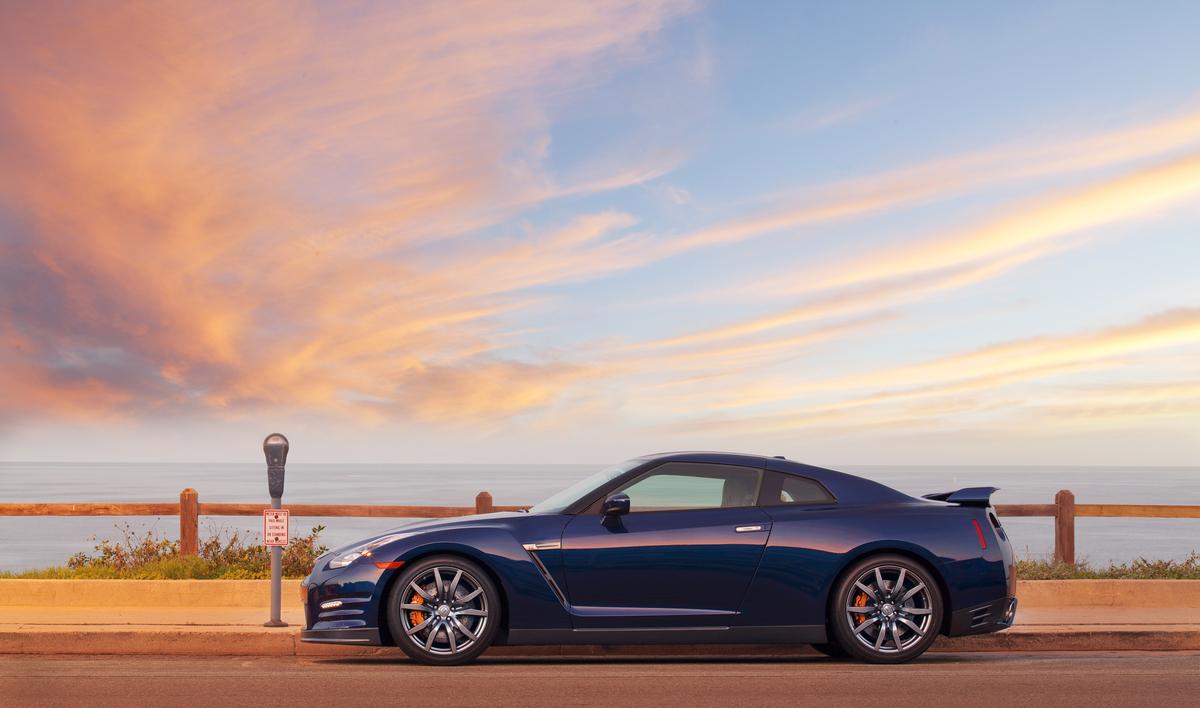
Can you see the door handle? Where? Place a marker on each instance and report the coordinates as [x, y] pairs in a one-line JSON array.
[[748, 529]]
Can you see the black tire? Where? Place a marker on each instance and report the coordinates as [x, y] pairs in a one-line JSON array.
[[453, 631], [909, 618], [833, 651]]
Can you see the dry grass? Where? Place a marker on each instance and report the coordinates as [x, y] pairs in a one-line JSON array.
[[1140, 569]]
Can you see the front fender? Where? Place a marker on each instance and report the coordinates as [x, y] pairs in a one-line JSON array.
[[527, 599]]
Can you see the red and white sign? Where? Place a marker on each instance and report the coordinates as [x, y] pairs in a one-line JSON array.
[[275, 527]]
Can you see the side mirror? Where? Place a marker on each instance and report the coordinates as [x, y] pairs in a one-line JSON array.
[[616, 504]]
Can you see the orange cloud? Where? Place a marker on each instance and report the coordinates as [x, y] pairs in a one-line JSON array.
[[940, 179], [219, 208], [961, 257], [918, 391], [1138, 193], [227, 209]]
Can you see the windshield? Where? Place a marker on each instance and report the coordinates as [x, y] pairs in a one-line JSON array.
[[557, 503]]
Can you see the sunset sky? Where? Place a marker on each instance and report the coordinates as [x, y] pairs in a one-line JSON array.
[[849, 233]]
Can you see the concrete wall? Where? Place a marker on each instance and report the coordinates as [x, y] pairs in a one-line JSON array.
[[145, 593]]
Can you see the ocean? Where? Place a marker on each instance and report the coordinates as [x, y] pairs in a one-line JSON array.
[[35, 542]]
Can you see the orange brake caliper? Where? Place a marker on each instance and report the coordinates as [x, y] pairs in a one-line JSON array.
[[415, 617], [860, 601]]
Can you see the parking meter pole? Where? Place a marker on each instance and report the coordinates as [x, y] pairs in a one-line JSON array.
[[275, 447], [276, 577]]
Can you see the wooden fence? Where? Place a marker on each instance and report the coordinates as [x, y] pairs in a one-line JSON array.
[[1064, 510], [189, 510]]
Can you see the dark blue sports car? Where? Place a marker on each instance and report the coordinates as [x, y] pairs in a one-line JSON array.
[[680, 548]]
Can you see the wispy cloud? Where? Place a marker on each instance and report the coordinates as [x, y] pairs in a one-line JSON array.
[[933, 384], [381, 210], [964, 256], [1138, 193], [1119, 404], [215, 208], [821, 117], [942, 179], [733, 357]]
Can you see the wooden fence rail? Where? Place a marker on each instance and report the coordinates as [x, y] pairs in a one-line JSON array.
[[189, 510], [1064, 510]]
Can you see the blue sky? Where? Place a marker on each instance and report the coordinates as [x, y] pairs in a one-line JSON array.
[[935, 233]]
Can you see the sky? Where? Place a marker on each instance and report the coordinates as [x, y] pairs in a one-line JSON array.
[[848, 233]]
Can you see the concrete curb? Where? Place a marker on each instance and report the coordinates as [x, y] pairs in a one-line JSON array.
[[254, 642]]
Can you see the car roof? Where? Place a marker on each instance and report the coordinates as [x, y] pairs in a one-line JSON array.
[[847, 488], [706, 456]]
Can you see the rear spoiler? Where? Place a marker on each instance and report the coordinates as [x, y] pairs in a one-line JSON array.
[[971, 496]]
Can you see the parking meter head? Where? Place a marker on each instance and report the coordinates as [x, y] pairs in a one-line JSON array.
[[275, 447]]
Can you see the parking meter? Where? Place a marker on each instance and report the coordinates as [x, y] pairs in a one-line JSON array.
[[275, 447]]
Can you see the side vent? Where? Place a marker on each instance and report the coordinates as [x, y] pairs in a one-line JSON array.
[[532, 549]]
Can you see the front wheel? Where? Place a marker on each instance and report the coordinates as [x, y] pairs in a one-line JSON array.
[[444, 610], [887, 609]]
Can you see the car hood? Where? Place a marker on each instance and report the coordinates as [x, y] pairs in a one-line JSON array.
[[419, 526]]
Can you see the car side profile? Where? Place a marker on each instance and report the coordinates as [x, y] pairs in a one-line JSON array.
[[692, 547]]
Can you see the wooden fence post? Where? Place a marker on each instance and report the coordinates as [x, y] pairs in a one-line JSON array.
[[189, 522], [483, 503], [1064, 527]]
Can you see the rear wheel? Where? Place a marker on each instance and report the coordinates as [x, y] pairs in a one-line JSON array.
[[444, 610], [887, 609]]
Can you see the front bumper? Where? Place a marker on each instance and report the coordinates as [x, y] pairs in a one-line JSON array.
[[363, 636], [341, 606], [981, 619]]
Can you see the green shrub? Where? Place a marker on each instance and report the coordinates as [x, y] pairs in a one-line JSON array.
[[147, 557]]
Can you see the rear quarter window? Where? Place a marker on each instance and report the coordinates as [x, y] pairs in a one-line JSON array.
[[790, 490]]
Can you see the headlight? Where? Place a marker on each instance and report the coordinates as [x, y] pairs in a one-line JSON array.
[[343, 561], [364, 550]]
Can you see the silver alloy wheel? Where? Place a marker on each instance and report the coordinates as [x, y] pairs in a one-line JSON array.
[[890, 609], [446, 612]]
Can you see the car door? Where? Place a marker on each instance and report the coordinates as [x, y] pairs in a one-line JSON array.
[[682, 557]]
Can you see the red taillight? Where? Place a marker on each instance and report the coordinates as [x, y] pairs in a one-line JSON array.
[[384, 565], [979, 533]]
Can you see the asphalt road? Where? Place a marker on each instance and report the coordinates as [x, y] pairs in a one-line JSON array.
[[975, 679]]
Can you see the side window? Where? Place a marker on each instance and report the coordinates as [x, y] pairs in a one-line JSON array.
[[798, 490], [676, 486]]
